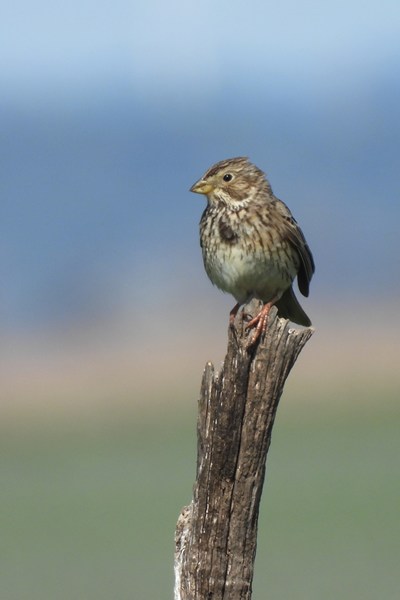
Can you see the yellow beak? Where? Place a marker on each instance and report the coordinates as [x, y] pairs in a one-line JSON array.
[[201, 187]]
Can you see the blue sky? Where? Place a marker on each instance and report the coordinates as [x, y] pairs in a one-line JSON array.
[[110, 111], [150, 46]]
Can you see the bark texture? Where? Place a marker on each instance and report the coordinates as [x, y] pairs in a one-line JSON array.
[[216, 534]]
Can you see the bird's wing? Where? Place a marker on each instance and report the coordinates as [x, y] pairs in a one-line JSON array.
[[293, 233]]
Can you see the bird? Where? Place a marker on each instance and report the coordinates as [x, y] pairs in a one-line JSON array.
[[251, 244]]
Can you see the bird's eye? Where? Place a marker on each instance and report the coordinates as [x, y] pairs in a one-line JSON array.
[[227, 177]]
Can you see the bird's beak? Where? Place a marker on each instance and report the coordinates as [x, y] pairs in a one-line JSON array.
[[201, 187]]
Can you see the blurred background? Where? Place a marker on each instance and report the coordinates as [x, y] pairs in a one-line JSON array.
[[108, 113]]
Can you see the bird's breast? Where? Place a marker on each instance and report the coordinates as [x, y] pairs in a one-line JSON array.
[[242, 259]]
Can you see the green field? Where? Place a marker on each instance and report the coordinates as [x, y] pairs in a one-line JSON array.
[[88, 511]]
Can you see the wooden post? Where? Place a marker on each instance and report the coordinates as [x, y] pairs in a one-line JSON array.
[[216, 534]]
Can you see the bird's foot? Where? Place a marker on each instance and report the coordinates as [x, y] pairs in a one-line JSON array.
[[260, 323]]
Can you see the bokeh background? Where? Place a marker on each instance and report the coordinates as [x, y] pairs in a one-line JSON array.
[[108, 113]]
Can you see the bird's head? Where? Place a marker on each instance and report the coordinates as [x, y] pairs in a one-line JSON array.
[[234, 182]]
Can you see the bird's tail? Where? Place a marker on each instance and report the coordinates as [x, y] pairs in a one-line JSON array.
[[289, 308]]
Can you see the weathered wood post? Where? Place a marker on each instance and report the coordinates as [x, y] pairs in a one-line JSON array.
[[216, 534]]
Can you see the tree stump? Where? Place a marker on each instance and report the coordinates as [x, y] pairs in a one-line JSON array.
[[216, 534]]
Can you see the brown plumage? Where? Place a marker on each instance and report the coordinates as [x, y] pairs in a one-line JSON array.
[[251, 244]]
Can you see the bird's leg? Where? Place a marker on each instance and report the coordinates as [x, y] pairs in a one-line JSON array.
[[260, 322], [233, 313]]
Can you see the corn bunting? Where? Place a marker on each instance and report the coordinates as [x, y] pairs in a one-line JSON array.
[[252, 246]]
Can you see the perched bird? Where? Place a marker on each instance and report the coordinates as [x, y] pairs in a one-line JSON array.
[[252, 246]]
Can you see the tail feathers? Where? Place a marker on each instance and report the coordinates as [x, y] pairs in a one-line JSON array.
[[289, 308]]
